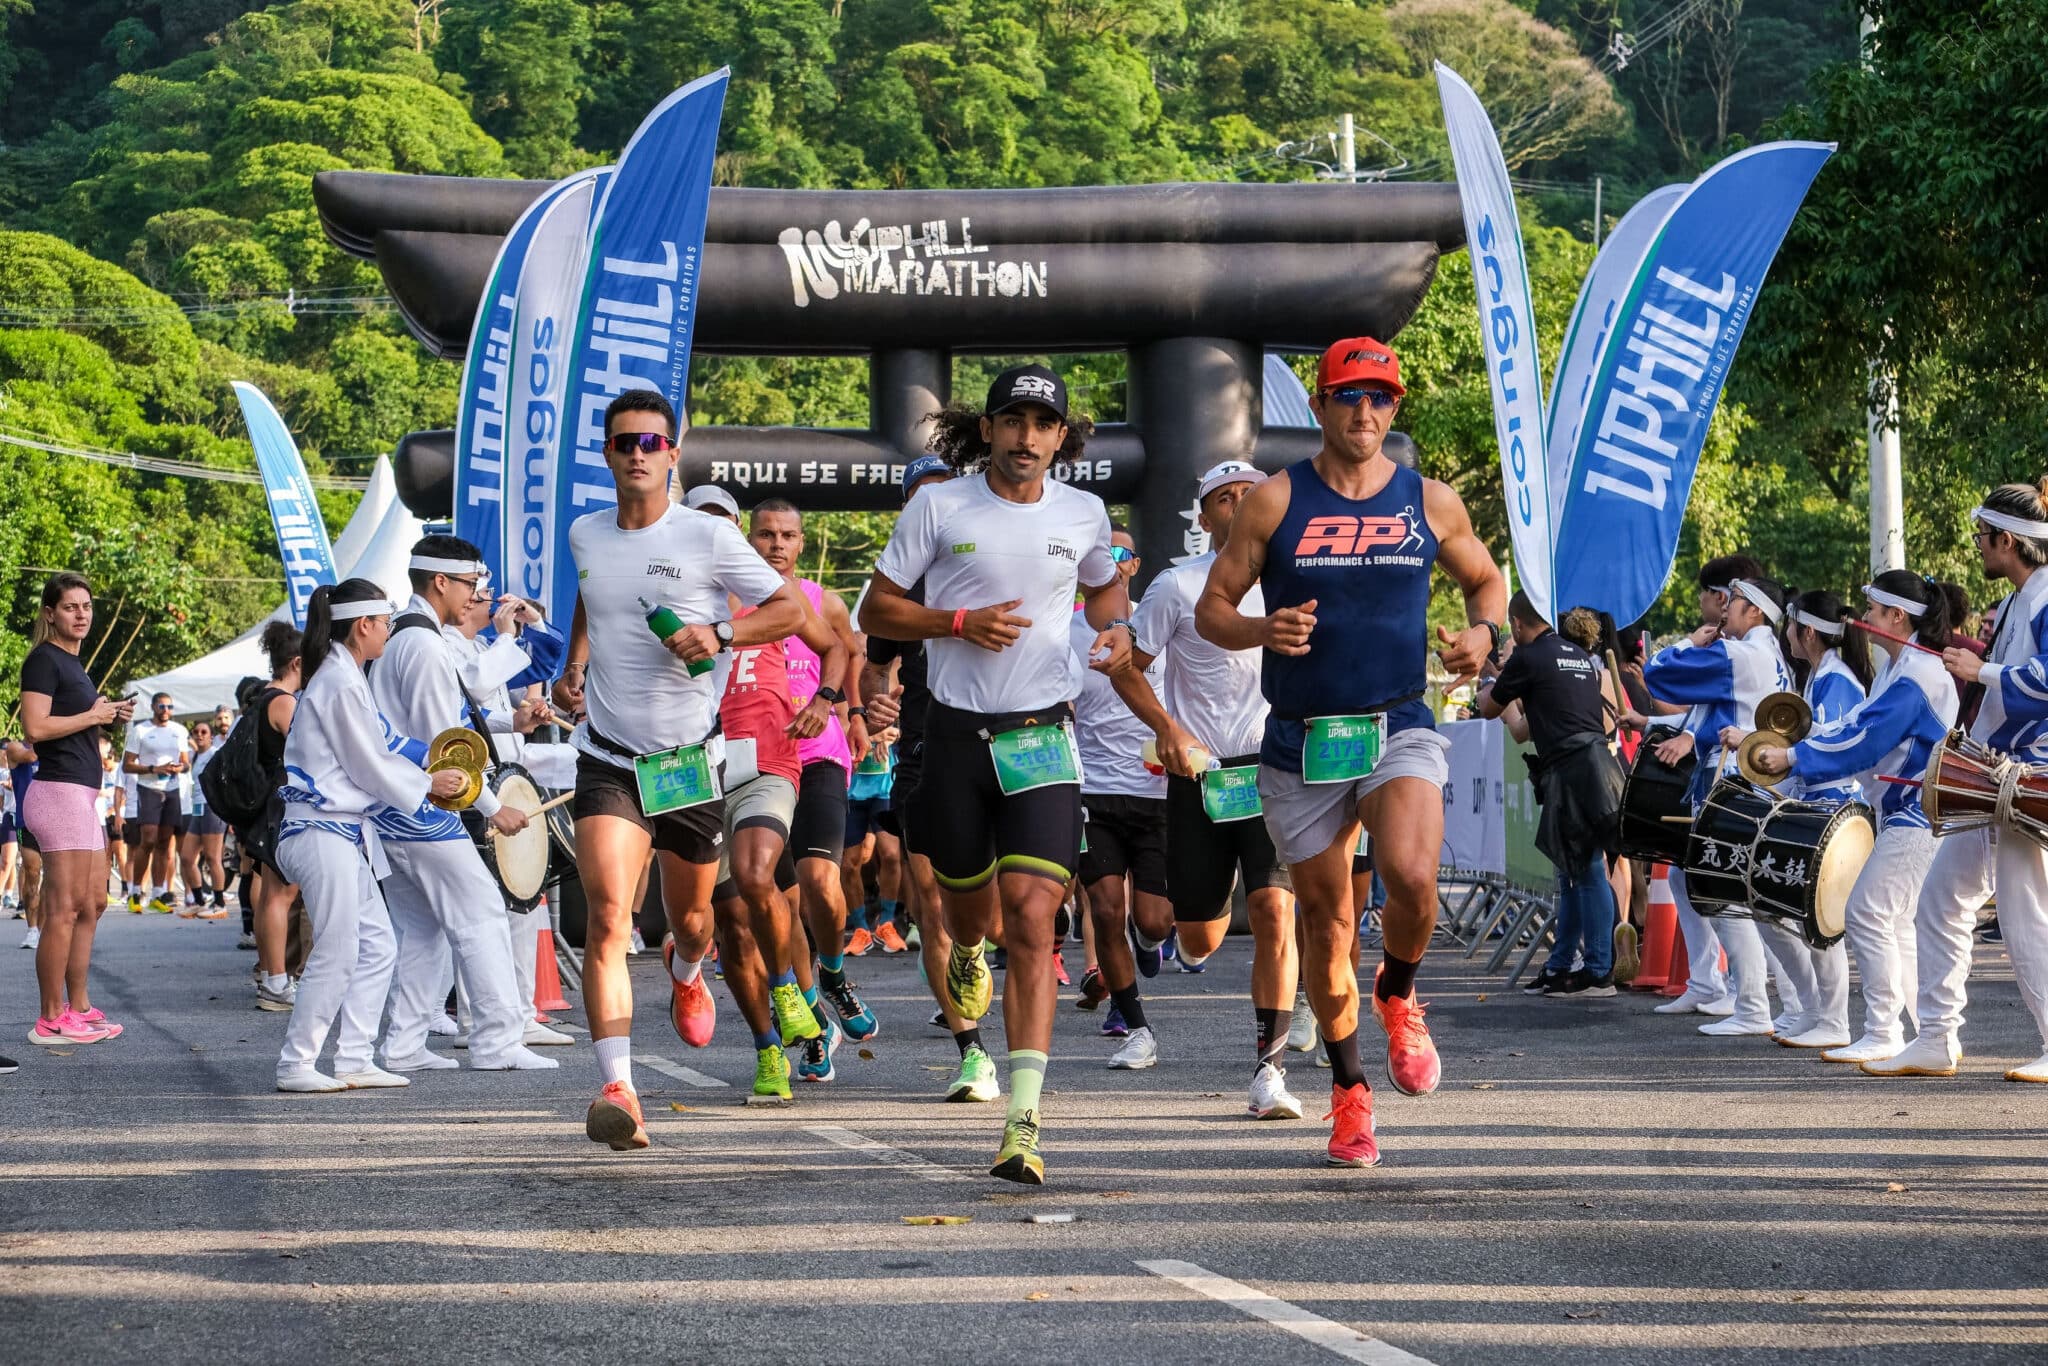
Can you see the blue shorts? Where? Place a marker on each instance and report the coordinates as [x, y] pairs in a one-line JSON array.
[[864, 817]]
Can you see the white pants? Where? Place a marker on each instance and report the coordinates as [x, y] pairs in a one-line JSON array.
[[1960, 880], [1831, 980], [525, 962], [348, 973], [1702, 945], [1880, 916], [1792, 964], [1747, 965], [437, 888]]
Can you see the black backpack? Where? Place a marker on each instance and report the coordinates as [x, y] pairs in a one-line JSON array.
[[237, 784]]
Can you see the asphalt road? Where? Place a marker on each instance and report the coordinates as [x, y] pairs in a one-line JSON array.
[[1592, 1183]]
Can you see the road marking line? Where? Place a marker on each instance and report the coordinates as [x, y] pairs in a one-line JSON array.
[[689, 1076], [881, 1152], [1348, 1343]]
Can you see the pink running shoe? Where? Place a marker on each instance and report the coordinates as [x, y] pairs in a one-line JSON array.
[[99, 1021], [1352, 1143], [1411, 1054], [68, 1028]]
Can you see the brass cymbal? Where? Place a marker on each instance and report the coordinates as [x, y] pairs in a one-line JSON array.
[[462, 749], [1745, 754], [1787, 713]]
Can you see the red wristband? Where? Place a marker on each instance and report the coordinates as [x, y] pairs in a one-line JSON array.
[[959, 620]]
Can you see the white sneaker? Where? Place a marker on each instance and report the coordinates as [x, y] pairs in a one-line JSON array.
[[266, 999], [1301, 1029], [1270, 1098], [308, 1080], [1924, 1057], [1865, 1049], [371, 1078], [2035, 1071], [1732, 1028], [440, 1022], [1322, 1050], [33, 937], [422, 1061], [638, 945], [1138, 1051], [540, 1036], [1820, 1036], [247, 941], [520, 1059]]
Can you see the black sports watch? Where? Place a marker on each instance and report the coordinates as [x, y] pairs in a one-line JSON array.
[[832, 695], [723, 630]]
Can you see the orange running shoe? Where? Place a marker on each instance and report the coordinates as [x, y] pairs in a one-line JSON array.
[[1351, 1138], [859, 942], [890, 938], [1411, 1054], [690, 1008], [614, 1119]]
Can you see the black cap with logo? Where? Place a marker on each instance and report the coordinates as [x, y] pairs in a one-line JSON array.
[[1021, 384]]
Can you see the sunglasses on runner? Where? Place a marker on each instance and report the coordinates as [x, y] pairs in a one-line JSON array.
[[647, 443], [1119, 555], [1351, 395]]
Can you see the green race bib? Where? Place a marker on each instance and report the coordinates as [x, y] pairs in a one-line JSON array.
[[1342, 749], [675, 779], [1032, 757], [1231, 794], [876, 762]]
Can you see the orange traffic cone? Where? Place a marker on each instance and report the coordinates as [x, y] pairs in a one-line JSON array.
[[1660, 929], [547, 982], [1681, 963]]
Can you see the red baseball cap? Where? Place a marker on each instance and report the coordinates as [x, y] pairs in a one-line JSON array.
[[1356, 360]]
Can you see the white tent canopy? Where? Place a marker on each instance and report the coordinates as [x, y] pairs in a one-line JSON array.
[[375, 545]]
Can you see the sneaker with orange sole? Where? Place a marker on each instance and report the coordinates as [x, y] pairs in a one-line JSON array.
[[859, 943], [1352, 1143], [890, 938], [213, 913], [614, 1119], [690, 1008], [1412, 1062]]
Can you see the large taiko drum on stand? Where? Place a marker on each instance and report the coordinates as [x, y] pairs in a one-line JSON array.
[[1759, 856], [1655, 815], [1965, 785]]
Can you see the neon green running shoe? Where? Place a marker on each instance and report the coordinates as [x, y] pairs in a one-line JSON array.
[[969, 985], [794, 1019], [977, 1078], [771, 1074], [1019, 1160]]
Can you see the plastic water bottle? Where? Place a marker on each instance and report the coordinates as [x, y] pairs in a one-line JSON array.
[[1199, 759], [665, 623]]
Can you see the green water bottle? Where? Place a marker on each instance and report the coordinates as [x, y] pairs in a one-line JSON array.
[[665, 623]]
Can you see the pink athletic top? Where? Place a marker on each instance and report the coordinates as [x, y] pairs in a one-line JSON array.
[[804, 670]]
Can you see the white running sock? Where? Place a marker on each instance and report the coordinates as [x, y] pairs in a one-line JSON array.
[[615, 1059], [683, 971], [276, 981]]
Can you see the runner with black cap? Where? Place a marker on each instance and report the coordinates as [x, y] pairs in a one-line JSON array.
[[1002, 549], [1343, 545]]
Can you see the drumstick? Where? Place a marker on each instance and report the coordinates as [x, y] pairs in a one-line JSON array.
[[1896, 640], [541, 810], [1894, 778], [1676, 820]]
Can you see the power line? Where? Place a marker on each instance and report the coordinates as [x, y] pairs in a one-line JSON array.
[[184, 469]]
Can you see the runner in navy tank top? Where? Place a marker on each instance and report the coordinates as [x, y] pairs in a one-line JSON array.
[[1342, 547]]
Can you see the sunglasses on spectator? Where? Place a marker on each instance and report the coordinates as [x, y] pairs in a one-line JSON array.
[[646, 443], [1120, 555], [1351, 395]]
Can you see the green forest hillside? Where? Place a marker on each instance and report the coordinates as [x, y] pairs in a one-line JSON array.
[[157, 235]]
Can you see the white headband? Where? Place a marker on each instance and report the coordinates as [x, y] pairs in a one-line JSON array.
[[1756, 595], [2005, 521], [1884, 599], [370, 607], [1820, 624], [429, 564]]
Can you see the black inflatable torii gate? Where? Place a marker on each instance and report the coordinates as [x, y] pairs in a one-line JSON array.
[[1194, 281]]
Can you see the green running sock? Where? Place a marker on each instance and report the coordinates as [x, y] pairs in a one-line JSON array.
[[1027, 1079]]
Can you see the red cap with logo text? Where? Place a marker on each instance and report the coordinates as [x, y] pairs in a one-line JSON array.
[[1360, 360]]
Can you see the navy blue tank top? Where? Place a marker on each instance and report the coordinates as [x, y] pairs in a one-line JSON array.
[[1367, 563]]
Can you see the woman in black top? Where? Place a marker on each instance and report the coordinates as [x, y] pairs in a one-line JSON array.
[[62, 713], [271, 711]]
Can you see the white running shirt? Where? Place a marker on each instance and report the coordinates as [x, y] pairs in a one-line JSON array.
[[154, 744], [1108, 734], [637, 694], [974, 550], [1213, 692]]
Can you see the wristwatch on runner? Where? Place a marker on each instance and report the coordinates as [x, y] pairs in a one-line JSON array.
[[832, 695], [723, 630]]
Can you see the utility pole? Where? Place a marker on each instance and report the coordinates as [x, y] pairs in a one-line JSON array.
[[1596, 215], [1347, 148], [1887, 481]]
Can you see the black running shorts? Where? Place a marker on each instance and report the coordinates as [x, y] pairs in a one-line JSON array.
[[963, 823], [1205, 859], [693, 834], [1126, 835], [820, 823]]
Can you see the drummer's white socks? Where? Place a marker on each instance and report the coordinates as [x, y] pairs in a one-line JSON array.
[[276, 981], [615, 1059], [683, 971]]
